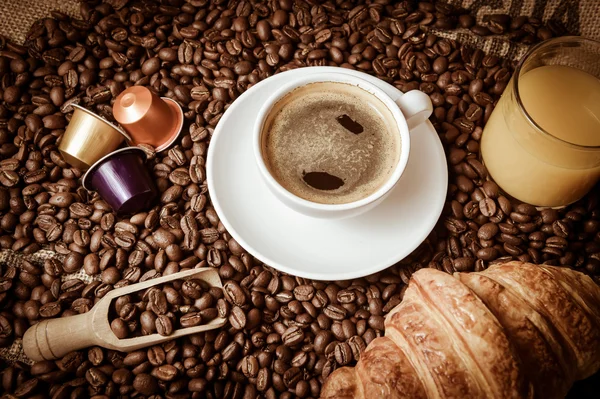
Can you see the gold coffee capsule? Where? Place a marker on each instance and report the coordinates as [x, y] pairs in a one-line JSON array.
[[88, 138], [148, 118]]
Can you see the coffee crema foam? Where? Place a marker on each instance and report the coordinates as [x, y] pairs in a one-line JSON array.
[[334, 129]]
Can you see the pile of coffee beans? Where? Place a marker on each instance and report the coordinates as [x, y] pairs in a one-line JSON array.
[[165, 308], [284, 335]]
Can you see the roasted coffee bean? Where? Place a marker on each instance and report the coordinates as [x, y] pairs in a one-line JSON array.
[[165, 372], [335, 312], [192, 289], [197, 385], [190, 320], [487, 231], [73, 262], [234, 293], [6, 327], [463, 264], [8, 178], [157, 302], [135, 358], [250, 366], [147, 321], [487, 206], [145, 384], [292, 376], [156, 355], [304, 292], [263, 380], [237, 318], [343, 353], [292, 336], [53, 267], [50, 309], [119, 328], [164, 325], [95, 377], [561, 228]]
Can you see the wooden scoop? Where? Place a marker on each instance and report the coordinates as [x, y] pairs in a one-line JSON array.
[[52, 339]]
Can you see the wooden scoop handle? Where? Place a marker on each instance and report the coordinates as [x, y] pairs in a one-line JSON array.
[[52, 339]]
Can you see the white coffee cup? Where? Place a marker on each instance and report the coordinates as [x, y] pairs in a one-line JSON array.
[[409, 110]]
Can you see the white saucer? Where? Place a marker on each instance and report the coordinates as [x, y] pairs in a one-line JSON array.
[[316, 248]]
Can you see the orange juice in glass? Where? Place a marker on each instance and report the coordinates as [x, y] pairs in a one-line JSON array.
[[541, 144]]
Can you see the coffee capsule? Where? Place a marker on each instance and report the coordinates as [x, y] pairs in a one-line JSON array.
[[122, 180], [147, 118], [88, 138]]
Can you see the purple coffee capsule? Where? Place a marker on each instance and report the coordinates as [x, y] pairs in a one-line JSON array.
[[122, 180]]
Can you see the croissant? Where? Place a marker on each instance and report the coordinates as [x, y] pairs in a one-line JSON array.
[[515, 330]]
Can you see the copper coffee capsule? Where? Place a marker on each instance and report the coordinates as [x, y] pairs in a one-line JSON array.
[[148, 118], [88, 138]]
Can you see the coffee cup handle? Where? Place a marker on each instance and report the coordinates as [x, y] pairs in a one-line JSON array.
[[416, 107]]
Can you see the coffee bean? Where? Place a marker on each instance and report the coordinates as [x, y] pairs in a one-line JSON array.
[[163, 238], [151, 66], [263, 380], [119, 328], [6, 327], [8, 178], [234, 293], [292, 376], [43, 367], [145, 384], [487, 231], [50, 309], [209, 235], [293, 336], [512, 249], [304, 292], [156, 301], [122, 376], [190, 320], [155, 355], [95, 377], [73, 262], [561, 228], [335, 312], [147, 321], [343, 353], [466, 21], [192, 289], [164, 325], [197, 385], [250, 366], [237, 318], [165, 372], [135, 358], [549, 216], [557, 242], [463, 264]]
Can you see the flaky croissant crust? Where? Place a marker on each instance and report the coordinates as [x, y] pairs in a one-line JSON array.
[[515, 330]]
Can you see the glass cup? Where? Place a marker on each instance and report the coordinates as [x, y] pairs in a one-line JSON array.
[[541, 144]]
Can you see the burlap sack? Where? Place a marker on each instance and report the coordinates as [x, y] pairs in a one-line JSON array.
[[16, 16], [579, 17]]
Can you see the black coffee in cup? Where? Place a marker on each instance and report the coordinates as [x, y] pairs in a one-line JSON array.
[[330, 143]]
